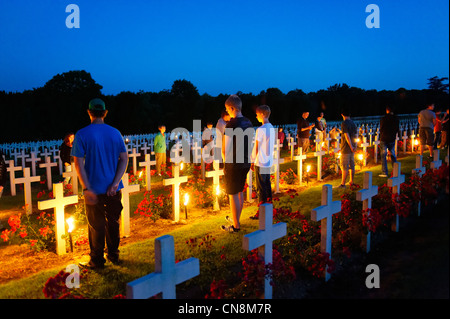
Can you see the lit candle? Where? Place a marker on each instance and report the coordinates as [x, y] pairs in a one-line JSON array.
[[71, 224], [186, 200]]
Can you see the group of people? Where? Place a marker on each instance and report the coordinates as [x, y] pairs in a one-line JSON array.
[[100, 157]]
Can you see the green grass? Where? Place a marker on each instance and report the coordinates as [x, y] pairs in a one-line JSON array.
[[138, 258]]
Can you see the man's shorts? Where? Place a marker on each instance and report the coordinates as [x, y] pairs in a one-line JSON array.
[[426, 136], [348, 162], [235, 178]]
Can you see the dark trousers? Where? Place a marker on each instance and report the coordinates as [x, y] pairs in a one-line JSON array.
[[263, 184], [104, 223]]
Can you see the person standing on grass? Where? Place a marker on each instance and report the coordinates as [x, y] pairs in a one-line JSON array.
[[236, 157], [348, 147], [262, 154], [427, 120], [101, 159], [303, 131], [159, 145], [389, 126]]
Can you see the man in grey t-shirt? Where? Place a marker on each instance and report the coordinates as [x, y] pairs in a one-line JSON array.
[[427, 120]]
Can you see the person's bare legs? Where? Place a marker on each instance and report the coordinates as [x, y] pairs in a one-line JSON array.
[[236, 204], [344, 176]]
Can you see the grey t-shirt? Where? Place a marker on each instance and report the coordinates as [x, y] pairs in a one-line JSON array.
[[426, 118]]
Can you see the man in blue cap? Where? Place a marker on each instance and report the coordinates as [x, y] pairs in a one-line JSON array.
[[101, 159]]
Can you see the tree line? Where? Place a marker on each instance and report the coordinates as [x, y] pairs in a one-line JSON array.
[[59, 107]]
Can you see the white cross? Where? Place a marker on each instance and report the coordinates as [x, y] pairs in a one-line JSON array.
[[175, 152], [175, 182], [263, 239], [23, 157], [365, 195], [375, 149], [395, 183], [412, 140], [420, 171], [404, 138], [249, 186], [196, 151], [292, 144], [167, 273], [48, 169], [58, 203], [215, 173], [26, 180], [12, 176], [319, 153], [125, 216], [299, 158], [328, 139], [148, 165], [436, 163], [33, 159], [276, 164], [134, 156], [72, 174], [364, 145], [324, 213], [145, 148]]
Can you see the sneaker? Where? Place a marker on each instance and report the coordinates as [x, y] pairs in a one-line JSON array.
[[230, 228], [340, 186], [383, 175]]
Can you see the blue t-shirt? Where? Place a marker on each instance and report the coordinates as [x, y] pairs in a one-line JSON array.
[[100, 145]]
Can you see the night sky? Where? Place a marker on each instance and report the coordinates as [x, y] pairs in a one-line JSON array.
[[225, 46]]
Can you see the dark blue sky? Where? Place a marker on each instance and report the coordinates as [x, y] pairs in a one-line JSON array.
[[225, 46]]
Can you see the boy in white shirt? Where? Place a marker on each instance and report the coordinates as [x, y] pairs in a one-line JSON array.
[[262, 154]]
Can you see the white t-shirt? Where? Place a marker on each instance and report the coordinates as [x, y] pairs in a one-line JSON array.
[[265, 135]]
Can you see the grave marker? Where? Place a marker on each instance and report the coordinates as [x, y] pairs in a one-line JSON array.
[[58, 203], [175, 182], [125, 216], [299, 158], [436, 163], [12, 176], [395, 183], [325, 213], [276, 165], [148, 175], [420, 170], [365, 195], [48, 169], [167, 273], [26, 180], [263, 239]]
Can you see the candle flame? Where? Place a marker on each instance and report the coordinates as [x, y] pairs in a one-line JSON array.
[[140, 173], [308, 168], [71, 224], [186, 199], [416, 142], [217, 190], [360, 157], [181, 166]]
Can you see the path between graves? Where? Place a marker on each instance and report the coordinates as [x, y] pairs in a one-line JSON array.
[[413, 263]]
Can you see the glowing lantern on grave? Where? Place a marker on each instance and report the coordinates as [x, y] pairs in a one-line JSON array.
[[308, 168], [186, 199], [416, 142], [360, 156], [181, 166]]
